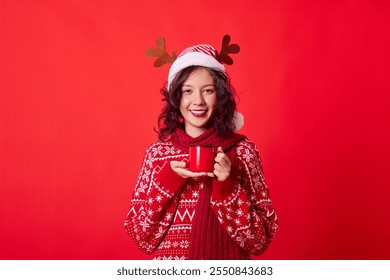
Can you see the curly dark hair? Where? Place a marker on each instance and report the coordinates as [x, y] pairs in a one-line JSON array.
[[171, 118]]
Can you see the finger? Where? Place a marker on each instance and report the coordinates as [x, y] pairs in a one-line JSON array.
[[197, 174], [220, 152], [222, 156], [217, 174], [178, 164], [185, 173], [221, 171], [221, 176], [224, 162], [221, 168]]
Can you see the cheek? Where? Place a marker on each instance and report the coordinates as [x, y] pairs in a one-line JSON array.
[[213, 101], [184, 102]]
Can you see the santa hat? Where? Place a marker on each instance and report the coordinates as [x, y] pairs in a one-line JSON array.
[[201, 55]]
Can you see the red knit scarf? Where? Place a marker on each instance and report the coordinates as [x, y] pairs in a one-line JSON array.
[[208, 239]]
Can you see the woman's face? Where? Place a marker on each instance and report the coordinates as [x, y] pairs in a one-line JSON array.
[[198, 102]]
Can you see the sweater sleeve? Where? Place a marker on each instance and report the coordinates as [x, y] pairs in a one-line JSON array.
[[246, 212], [155, 198]]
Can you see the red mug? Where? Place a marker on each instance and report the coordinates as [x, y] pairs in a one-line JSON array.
[[202, 158]]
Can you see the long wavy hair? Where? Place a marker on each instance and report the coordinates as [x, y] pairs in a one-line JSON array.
[[171, 118]]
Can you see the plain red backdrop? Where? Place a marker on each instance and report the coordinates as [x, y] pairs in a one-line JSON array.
[[79, 100]]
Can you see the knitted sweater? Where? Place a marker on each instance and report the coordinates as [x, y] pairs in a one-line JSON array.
[[236, 216]]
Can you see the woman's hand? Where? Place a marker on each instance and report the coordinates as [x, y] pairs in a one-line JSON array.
[[222, 166], [180, 167]]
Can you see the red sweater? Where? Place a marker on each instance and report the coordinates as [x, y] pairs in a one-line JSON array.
[[165, 208]]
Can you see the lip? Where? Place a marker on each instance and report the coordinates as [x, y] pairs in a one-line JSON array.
[[199, 113]]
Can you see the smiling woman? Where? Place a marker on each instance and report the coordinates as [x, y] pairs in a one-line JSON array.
[[176, 213]]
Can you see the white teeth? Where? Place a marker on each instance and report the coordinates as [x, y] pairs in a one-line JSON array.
[[199, 113]]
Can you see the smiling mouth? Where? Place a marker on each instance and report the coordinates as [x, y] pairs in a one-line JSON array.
[[198, 113]]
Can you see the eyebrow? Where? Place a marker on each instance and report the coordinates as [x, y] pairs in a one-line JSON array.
[[208, 85]]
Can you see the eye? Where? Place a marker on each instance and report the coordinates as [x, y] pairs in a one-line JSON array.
[[208, 90], [186, 91]]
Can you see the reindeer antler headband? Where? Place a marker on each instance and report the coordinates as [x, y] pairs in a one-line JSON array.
[[202, 55], [163, 57], [198, 55]]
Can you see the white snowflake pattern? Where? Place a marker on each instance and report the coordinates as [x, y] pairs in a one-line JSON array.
[[169, 258], [146, 175], [141, 188], [184, 244], [144, 224], [248, 156], [143, 244], [256, 181], [159, 232], [149, 163], [158, 198], [241, 239], [249, 234], [157, 150], [169, 150], [240, 212], [239, 150], [195, 194]]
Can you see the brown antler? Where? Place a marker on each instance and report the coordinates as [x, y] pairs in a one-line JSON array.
[[227, 49], [160, 52]]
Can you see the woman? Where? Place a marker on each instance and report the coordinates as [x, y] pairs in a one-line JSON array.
[[179, 214]]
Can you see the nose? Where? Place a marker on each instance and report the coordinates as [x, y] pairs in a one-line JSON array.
[[198, 98]]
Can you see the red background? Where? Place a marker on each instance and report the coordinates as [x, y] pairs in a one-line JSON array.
[[79, 100]]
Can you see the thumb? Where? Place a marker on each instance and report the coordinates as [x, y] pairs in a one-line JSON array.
[[220, 149]]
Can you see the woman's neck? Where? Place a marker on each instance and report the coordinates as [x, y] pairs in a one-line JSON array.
[[194, 132]]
